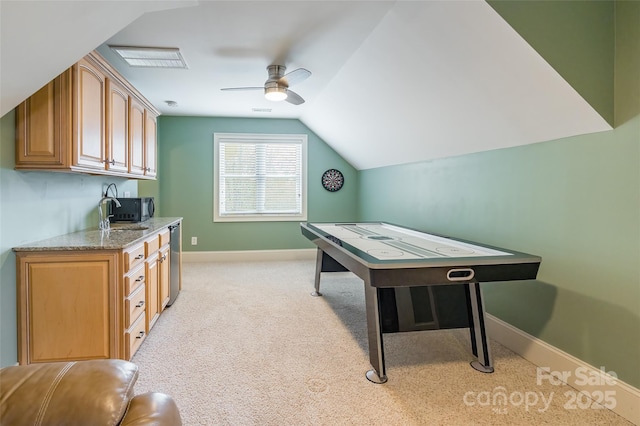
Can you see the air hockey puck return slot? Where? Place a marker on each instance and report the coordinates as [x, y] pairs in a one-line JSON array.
[[460, 274]]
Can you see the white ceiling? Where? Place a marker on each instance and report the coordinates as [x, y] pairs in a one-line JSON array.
[[393, 81]]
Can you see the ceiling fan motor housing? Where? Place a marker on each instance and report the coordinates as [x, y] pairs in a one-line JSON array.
[[276, 72]]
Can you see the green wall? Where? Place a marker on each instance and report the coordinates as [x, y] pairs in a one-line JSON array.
[[185, 150], [35, 206], [575, 202], [575, 38]]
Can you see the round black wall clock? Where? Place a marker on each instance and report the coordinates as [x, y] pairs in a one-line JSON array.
[[332, 180]]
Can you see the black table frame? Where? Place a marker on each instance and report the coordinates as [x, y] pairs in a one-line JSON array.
[[335, 255]]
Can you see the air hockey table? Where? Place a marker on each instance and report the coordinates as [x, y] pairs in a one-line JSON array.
[[416, 281]]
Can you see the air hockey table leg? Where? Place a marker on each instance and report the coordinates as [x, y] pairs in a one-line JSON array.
[[480, 341], [319, 256], [374, 334]]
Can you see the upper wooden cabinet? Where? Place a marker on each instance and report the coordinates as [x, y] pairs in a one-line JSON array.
[[91, 120], [150, 156], [44, 126], [117, 127], [136, 138], [89, 148]]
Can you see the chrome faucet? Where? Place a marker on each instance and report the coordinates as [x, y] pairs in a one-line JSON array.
[[104, 224]]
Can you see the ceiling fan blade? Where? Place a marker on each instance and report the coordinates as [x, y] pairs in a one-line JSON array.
[[238, 89], [294, 98], [296, 76]]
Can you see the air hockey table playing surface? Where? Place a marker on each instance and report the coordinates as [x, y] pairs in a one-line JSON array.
[[389, 242], [385, 256]]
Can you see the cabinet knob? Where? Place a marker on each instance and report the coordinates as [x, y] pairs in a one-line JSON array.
[[140, 256], [140, 278], [140, 335], [140, 304]]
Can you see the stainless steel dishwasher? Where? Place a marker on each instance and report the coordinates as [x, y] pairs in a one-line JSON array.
[[175, 263]]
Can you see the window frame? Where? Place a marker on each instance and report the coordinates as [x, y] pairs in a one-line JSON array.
[[258, 138]]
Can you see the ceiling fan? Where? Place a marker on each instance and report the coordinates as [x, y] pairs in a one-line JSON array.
[[276, 88]]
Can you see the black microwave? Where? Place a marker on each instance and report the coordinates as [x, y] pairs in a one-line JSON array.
[[132, 209]]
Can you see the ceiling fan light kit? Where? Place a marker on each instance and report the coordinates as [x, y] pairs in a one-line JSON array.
[[275, 93]]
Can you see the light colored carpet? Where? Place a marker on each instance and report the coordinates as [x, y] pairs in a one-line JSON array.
[[246, 344]]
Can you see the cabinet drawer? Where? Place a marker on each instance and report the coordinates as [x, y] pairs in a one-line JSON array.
[[134, 306], [152, 245], [164, 237], [133, 279], [133, 256], [134, 337]]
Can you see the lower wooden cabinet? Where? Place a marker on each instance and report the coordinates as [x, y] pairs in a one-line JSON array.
[[68, 306], [134, 306], [90, 304], [134, 337], [153, 309], [164, 275]]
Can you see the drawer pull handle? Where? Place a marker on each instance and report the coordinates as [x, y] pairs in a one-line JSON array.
[[460, 274], [140, 278], [140, 304], [140, 335], [140, 256]]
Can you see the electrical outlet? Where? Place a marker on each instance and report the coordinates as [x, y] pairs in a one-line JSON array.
[[194, 241], [127, 194]]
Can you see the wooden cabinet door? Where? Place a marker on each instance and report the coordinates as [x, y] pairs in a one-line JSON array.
[[67, 307], [150, 144], [153, 300], [117, 115], [89, 141], [136, 137], [43, 126], [164, 275]]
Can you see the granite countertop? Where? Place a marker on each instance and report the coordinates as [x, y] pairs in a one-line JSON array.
[[120, 236]]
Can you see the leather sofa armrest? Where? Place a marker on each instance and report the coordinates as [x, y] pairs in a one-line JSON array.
[[80, 392], [152, 408]]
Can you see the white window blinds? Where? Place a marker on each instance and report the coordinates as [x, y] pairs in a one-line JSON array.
[[260, 177]]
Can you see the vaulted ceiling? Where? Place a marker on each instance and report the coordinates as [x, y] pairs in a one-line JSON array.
[[392, 82]]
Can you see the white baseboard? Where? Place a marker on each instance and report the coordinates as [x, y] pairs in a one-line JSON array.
[[542, 354], [247, 255]]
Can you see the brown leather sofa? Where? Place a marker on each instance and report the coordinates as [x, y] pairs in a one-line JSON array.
[[96, 392]]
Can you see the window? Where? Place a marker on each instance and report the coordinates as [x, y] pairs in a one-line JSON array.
[[259, 177]]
